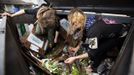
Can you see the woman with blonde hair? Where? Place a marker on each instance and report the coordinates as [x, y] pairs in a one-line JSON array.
[[76, 20]]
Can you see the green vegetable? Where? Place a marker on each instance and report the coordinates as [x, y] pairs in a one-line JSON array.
[[75, 70]]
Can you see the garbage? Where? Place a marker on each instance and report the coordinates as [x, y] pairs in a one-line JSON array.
[[59, 68], [35, 40], [52, 66], [34, 48]]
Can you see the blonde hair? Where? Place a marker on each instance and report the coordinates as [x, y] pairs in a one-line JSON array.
[[76, 19]]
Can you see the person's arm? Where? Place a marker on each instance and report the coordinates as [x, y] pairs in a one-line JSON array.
[[18, 13], [56, 36], [82, 56], [14, 14], [72, 59], [57, 29], [76, 48]]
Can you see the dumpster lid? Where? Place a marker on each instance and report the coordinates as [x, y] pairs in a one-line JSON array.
[[108, 6], [87, 3]]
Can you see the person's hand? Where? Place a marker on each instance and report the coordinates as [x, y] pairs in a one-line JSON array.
[[70, 60], [6, 14], [55, 40], [88, 70], [73, 49]]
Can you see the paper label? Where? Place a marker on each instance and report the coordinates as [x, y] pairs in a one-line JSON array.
[[34, 48], [35, 40], [93, 43]]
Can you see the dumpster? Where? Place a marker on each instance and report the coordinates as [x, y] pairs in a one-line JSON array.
[[26, 53]]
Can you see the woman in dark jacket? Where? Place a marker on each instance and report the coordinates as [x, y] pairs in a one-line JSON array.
[[99, 39]]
